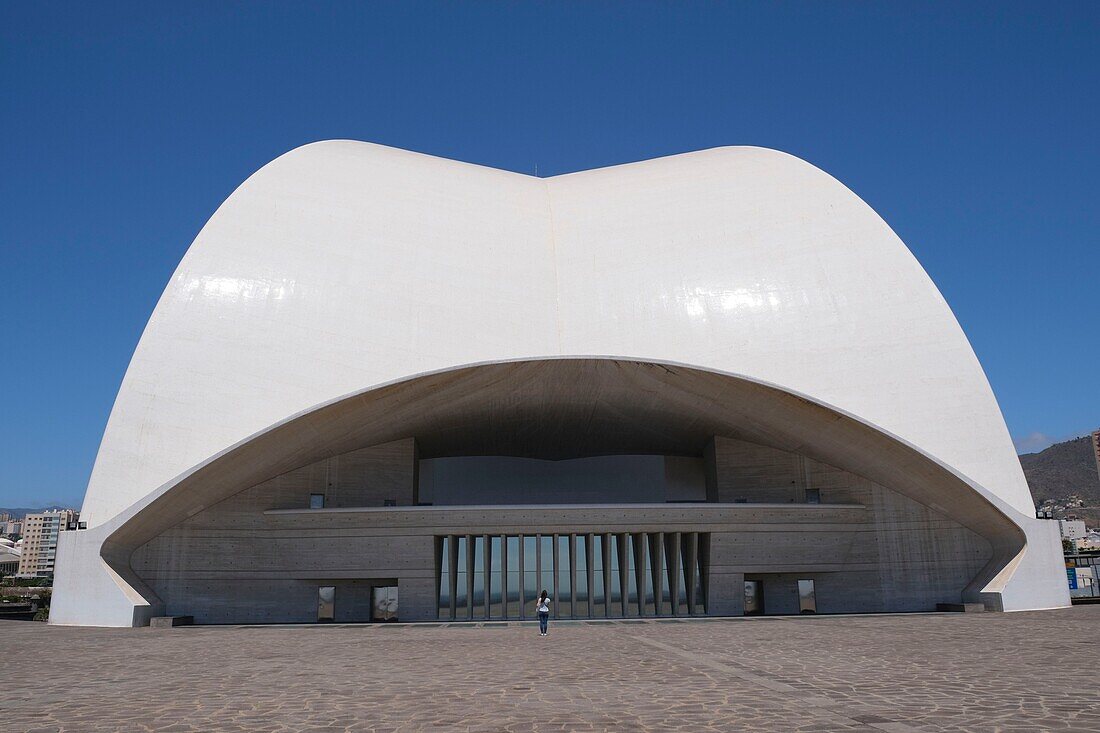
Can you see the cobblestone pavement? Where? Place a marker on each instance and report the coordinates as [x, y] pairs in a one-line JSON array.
[[897, 673]]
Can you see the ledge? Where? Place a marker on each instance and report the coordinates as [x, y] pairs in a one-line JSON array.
[[669, 506]]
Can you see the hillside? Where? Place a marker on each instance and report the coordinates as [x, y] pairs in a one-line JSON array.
[[1063, 469]]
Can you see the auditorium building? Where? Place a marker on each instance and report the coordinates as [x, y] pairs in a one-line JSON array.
[[388, 386]]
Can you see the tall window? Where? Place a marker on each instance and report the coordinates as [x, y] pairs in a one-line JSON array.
[[546, 564], [581, 583], [462, 584], [646, 597], [495, 580], [615, 600], [630, 569], [531, 587], [445, 578], [599, 604], [607, 575], [479, 576], [564, 587], [513, 557]]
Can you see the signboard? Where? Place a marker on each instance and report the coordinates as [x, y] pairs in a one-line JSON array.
[[1071, 575]]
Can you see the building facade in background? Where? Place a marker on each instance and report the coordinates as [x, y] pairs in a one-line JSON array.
[[41, 533], [9, 557], [1072, 529], [10, 525], [385, 385]]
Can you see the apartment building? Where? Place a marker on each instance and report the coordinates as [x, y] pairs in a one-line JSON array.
[[40, 533]]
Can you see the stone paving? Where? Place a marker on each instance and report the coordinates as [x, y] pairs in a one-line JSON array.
[[894, 673]]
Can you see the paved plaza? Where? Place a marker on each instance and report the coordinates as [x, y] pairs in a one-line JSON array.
[[937, 672]]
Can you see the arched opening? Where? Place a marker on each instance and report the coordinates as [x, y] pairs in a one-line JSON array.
[[676, 481]]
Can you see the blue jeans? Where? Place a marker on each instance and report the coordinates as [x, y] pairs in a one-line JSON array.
[[544, 619]]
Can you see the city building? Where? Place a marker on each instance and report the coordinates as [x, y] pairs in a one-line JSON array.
[[1091, 541], [40, 539], [9, 557], [9, 564], [1072, 529], [386, 385], [10, 526]]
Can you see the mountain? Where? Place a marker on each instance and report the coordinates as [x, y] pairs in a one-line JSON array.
[[19, 512], [1063, 469]]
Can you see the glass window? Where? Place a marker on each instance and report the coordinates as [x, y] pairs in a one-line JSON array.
[[681, 576], [495, 587], [546, 579], [631, 577], [616, 599], [445, 579], [754, 598], [462, 610], [501, 576], [647, 593], [512, 558], [564, 587], [700, 591], [316, 501], [581, 579], [599, 606], [531, 578], [479, 576], [807, 598], [666, 594]]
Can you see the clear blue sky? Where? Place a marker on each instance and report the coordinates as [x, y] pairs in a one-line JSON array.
[[973, 129]]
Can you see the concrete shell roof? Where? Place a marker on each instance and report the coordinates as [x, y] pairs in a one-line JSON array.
[[344, 265]]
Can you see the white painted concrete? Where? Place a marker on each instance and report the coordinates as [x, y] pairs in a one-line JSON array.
[[344, 265]]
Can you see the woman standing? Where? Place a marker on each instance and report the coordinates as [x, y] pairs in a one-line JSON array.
[[543, 607]]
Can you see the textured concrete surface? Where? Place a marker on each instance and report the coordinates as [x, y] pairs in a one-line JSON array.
[[937, 672]]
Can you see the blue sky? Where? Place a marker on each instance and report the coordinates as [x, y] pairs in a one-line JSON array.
[[972, 128]]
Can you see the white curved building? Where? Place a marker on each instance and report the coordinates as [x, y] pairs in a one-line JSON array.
[[697, 384]]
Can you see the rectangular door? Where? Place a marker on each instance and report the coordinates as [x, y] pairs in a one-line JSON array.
[[754, 598], [326, 603], [384, 603]]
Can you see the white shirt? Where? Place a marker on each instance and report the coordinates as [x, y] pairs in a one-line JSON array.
[[543, 605]]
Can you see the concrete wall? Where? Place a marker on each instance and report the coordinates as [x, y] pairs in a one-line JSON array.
[[260, 555], [367, 477], [741, 471], [226, 564]]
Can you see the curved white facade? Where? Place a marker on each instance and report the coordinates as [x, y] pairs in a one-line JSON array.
[[344, 266]]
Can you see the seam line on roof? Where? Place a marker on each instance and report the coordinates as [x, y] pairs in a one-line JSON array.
[[554, 256]]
